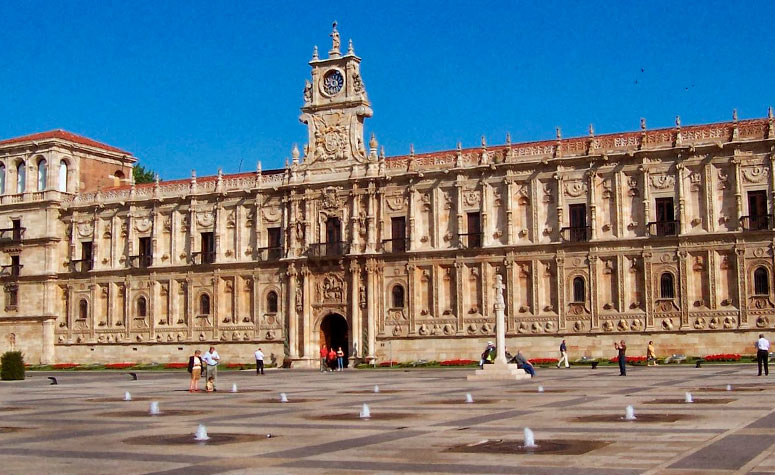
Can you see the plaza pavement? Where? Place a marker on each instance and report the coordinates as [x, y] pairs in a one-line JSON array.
[[67, 429]]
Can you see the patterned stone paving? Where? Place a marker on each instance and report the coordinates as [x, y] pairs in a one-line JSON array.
[[82, 425]]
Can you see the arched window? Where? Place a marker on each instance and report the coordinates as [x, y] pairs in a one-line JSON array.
[[761, 281], [271, 302], [2, 179], [21, 177], [117, 177], [579, 292], [204, 304], [142, 310], [398, 296], [62, 185], [666, 287], [42, 172], [83, 309]]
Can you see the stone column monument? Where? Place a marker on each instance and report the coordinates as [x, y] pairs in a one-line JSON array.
[[500, 369]]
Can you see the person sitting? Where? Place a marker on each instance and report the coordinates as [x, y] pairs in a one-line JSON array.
[[524, 363], [488, 355], [210, 386]]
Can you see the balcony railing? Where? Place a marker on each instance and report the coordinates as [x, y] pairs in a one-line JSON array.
[[11, 235], [757, 222], [11, 270], [323, 250], [395, 246], [140, 262], [269, 253], [203, 257], [576, 233], [81, 265], [664, 228], [470, 240]]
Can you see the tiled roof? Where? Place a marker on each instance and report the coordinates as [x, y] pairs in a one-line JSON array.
[[64, 135]]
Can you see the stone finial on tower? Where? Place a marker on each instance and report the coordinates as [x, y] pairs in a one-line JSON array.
[[350, 49], [735, 131], [558, 133], [734, 115], [335, 42], [678, 121], [295, 154], [769, 112], [770, 125], [678, 137], [411, 149], [485, 157], [508, 138], [642, 123], [315, 56], [219, 181], [591, 130], [382, 152], [373, 147], [459, 155]]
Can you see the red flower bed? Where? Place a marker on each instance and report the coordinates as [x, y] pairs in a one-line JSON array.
[[723, 357], [119, 365], [630, 359], [65, 365], [457, 362], [176, 365], [385, 364], [235, 365], [544, 361]]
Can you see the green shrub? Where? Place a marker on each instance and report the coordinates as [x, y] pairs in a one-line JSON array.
[[12, 363]]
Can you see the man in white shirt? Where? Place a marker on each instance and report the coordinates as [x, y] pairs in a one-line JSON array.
[[762, 354], [211, 359], [259, 362]]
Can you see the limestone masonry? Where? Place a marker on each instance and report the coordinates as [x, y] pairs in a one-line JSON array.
[[663, 235]]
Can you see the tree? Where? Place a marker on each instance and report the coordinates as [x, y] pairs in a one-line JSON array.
[[142, 174]]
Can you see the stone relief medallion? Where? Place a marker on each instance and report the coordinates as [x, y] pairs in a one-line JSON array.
[[575, 189], [85, 229], [608, 326], [714, 323], [395, 202], [271, 214], [756, 174], [636, 325], [471, 198], [762, 321], [667, 324], [143, 225], [662, 182], [579, 326], [330, 200], [205, 219], [699, 323], [729, 322]]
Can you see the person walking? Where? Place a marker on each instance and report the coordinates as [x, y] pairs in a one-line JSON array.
[[339, 359], [195, 368], [763, 354], [651, 355], [563, 355], [259, 362], [323, 356], [211, 359], [622, 348]]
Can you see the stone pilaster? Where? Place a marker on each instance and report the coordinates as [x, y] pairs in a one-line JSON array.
[[560, 289], [593, 302], [679, 179], [742, 284], [355, 311], [290, 311], [738, 192], [371, 304], [592, 197], [510, 201]]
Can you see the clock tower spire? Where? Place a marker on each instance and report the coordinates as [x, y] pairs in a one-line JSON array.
[[335, 106]]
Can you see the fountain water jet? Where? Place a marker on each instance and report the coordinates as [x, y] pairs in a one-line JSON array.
[[530, 441], [688, 397], [127, 396], [540, 389], [283, 397], [155, 408], [376, 388], [365, 412], [201, 433], [629, 413], [729, 387], [234, 388], [469, 398]]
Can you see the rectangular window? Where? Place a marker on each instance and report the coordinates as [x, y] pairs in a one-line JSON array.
[[11, 297], [398, 234], [144, 252], [86, 256], [474, 231], [578, 222], [665, 213], [208, 248], [16, 224], [757, 210], [274, 243], [15, 267]]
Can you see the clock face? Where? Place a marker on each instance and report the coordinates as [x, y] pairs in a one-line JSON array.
[[333, 82]]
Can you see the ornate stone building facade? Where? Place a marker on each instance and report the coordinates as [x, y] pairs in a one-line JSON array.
[[662, 235]]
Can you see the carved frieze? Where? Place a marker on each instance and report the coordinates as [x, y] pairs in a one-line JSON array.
[[662, 182]]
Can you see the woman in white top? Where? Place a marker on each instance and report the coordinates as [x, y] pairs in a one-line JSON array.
[[195, 368]]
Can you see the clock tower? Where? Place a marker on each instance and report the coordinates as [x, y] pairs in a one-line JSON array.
[[335, 105]]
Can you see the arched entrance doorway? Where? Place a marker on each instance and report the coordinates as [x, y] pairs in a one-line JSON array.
[[334, 334]]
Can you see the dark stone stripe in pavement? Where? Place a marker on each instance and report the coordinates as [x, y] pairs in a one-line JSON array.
[[448, 468], [345, 444], [603, 430], [96, 454], [470, 421], [66, 434], [572, 402], [729, 453], [766, 422]]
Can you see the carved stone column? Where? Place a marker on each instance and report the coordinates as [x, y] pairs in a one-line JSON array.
[[484, 204], [742, 284], [459, 311], [510, 208], [355, 311], [191, 319], [738, 192], [619, 192], [371, 234], [355, 240], [155, 231], [125, 314], [560, 203], [683, 279], [647, 287], [371, 304], [592, 197], [511, 294], [710, 212], [459, 210], [153, 305], [437, 203], [238, 226], [93, 288], [218, 231], [305, 309], [290, 311], [646, 197], [593, 303], [535, 228], [559, 285], [412, 205], [772, 186], [679, 178]]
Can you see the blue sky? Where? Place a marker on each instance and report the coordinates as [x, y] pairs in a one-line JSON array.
[[208, 84]]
